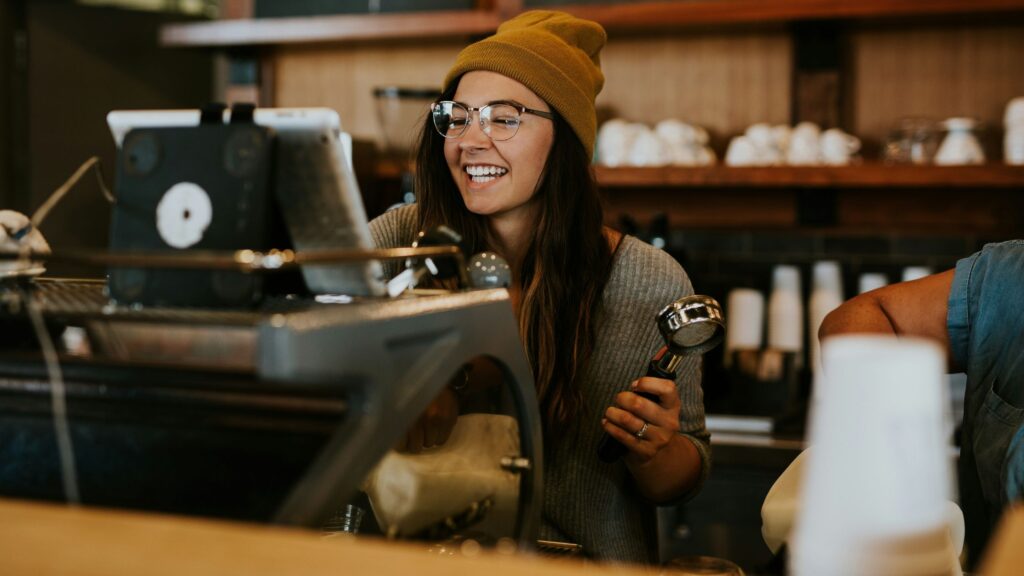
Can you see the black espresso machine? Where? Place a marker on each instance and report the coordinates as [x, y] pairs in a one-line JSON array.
[[216, 373]]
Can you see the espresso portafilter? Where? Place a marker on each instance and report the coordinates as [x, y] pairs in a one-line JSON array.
[[690, 326]]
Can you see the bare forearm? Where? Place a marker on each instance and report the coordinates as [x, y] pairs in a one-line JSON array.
[[673, 472]]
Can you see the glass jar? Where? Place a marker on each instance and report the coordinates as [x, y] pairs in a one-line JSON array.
[[913, 141]]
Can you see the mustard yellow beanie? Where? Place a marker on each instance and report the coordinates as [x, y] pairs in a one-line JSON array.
[[556, 55]]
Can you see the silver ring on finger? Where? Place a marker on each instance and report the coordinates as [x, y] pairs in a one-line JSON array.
[[641, 432]]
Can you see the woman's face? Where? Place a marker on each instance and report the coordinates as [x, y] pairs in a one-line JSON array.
[[499, 178]]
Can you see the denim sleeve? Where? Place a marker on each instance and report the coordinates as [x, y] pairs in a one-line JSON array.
[[958, 321], [986, 299]]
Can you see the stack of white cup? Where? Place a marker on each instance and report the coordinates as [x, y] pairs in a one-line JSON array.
[[786, 311], [1013, 140], [871, 281], [826, 296], [876, 487], [744, 313], [911, 273]]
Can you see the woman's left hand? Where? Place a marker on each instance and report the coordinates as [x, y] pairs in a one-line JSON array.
[[645, 427]]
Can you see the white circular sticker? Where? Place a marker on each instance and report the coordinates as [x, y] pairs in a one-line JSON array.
[[183, 215]]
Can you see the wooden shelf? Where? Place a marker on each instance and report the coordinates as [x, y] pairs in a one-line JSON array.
[[320, 29], [712, 12], [623, 16], [861, 176]]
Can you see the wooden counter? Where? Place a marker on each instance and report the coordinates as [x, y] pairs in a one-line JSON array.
[[46, 539]]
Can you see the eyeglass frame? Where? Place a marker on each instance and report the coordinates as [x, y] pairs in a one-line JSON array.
[[479, 118]]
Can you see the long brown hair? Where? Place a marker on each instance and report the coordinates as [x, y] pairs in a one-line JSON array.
[[566, 267]]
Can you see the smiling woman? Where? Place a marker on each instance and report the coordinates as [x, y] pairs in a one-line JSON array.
[[504, 158]]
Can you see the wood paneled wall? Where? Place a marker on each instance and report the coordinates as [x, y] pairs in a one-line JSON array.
[[937, 71], [724, 81], [344, 77]]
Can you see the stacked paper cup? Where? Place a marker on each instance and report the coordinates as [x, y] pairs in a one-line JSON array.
[[871, 281], [911, 273], [786, 311], [826, 296], [744, 321], [876, 487]]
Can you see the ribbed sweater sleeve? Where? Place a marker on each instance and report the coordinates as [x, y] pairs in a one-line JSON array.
[[394, 229]]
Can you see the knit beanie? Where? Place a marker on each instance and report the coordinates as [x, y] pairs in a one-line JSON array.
[[556, 55]]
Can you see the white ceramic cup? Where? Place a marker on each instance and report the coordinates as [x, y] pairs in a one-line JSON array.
[[837, 147], [615, 141], [676, 131], [741, 152], [648, 149], [960, 146], [761, 135], [804, 145]]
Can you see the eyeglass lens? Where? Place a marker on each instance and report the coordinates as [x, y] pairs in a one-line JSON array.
[[498, 121]]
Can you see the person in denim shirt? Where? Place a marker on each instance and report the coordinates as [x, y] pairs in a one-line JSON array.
[[977, 311]]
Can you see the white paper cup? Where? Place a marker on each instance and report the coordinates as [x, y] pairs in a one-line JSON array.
[[915, 272], [786, 311], [879, 424], [827, 276], [871, 281], [744, 319], [826, 296]]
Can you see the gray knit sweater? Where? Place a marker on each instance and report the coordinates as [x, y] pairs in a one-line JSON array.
[[586, 501]]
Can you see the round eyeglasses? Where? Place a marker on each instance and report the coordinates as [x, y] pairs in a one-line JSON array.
[[498, 120]]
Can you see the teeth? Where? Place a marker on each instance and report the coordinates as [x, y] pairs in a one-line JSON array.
[[478, 171]]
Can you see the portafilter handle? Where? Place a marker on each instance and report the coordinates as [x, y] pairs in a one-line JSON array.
[[691, 325]]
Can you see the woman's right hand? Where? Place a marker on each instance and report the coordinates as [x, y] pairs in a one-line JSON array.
[[434, 426]]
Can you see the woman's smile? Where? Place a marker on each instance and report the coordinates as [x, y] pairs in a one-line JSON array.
[[483, 175]]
